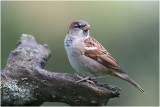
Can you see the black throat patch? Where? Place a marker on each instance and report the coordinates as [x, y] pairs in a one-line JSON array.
[[85, 32]]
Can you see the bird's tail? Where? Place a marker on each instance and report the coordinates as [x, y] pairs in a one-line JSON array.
[[135, 84], [127, 78]]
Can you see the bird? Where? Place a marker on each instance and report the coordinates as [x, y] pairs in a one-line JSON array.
[[88, 57]]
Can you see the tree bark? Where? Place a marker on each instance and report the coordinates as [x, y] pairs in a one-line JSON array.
[[25, 82]]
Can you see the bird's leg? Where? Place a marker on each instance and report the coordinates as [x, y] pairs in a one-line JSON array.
[[78, 75], [87, 78]]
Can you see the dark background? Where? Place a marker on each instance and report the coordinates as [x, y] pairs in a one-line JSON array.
[[128, 30]]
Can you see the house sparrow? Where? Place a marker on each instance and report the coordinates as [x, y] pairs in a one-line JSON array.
[[88, 57]]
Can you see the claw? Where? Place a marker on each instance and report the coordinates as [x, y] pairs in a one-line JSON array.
[[87, 78]]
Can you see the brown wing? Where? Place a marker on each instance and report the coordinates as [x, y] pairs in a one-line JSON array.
[[98, 53]]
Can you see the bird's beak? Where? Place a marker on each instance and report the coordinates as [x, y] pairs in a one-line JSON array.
[[86, 27]]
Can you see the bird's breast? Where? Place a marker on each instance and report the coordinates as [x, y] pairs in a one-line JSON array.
[[73, 46], [80, 62]]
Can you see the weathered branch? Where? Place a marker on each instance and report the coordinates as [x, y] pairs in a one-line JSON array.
[[25, 82]]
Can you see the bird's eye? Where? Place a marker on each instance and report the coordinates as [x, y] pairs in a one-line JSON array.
[[78, 26]]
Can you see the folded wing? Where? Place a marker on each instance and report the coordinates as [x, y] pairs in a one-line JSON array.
[[97, 52]]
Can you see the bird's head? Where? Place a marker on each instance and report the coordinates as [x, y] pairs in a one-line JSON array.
[[79, 28]]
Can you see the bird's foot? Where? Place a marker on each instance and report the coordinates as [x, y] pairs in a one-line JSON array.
[[89, 79]]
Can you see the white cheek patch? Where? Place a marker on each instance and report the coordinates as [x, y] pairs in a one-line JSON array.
[[91, 48]]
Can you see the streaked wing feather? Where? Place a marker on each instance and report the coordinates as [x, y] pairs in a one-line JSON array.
[[100, 54]]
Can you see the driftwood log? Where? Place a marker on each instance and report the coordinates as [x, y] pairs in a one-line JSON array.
[[25, 82]]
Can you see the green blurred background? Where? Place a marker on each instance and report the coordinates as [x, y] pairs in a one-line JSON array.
[[127, 29]]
